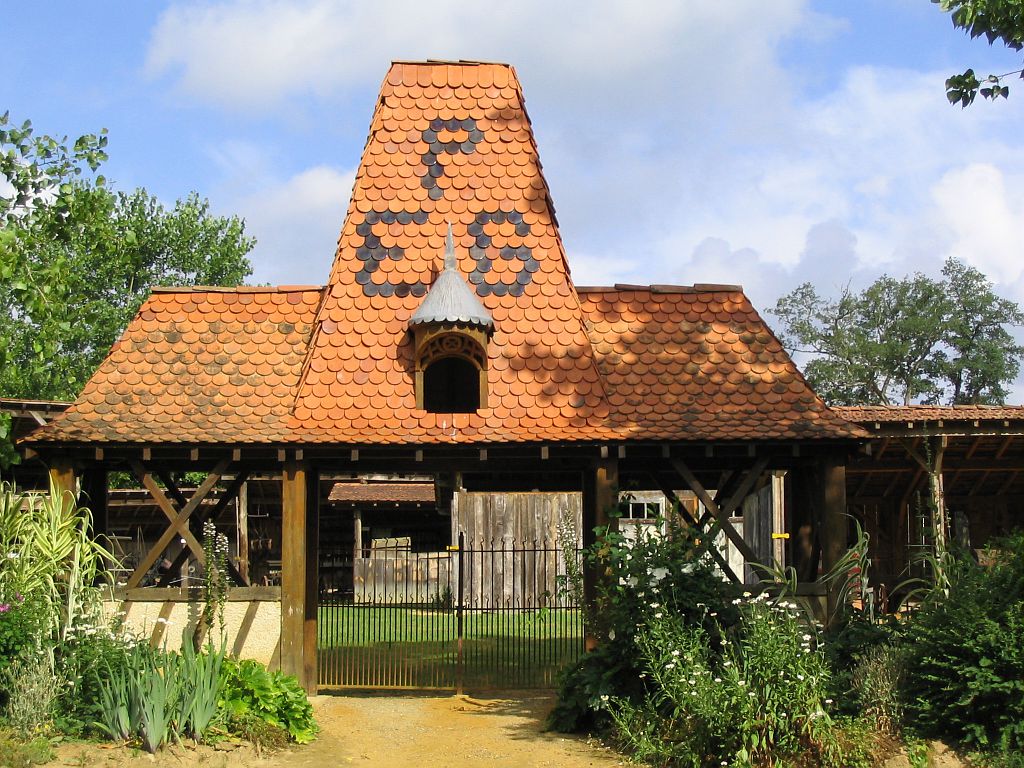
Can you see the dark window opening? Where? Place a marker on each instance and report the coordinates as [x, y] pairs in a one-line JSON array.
[[451, 385]]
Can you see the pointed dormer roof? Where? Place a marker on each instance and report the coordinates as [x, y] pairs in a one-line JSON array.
[[450, 300]]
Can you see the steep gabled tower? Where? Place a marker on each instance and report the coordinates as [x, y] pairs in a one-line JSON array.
[[450, 143]]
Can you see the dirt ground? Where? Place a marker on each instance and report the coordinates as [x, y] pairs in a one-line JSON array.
[[401, 731]]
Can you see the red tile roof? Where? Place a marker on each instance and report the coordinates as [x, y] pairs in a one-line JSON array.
[[448, 143], [383, 492], [699, 363], [918, 413], [198, 365]]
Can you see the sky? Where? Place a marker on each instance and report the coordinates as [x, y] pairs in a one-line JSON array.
[[760, 143]]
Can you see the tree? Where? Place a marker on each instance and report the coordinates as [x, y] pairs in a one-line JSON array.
[[904, 341], [77, 259], [996, 20]]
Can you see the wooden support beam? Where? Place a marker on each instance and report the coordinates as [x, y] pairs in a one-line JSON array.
[[883, 447], [1005, 446], [196, 527], [974, 447], [600, 486], [722, 513], [299, 533], [242, 532], [1006, 485], [670, 494], [62, 477], [834, 523], [178, 519]]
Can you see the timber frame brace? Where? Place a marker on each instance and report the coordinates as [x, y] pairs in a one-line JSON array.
[[734, 490], [182, 515]]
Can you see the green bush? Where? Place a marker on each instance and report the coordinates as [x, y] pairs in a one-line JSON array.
[[248, 688], [158, 696], [965, 654], [22, 627], [639, 582], [754, 695]]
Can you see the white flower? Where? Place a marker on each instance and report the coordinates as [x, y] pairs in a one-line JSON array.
[[806, 638], [718, 679], [828, 701], [737, 601], [655, 605], [746, 594], [799, 677], [658, 573], [611, 634], [604, 697], [743, 683], [675, 653], [670, 665], [658, 615]]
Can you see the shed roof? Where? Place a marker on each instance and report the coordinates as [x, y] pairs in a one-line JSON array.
[[449, 142]]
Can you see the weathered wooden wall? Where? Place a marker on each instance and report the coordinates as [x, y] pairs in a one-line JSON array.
[[488, 519]]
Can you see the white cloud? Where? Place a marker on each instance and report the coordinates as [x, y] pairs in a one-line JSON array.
[[296, 224], [984, 218], [257, 53]]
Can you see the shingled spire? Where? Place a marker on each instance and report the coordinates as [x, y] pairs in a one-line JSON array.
[[450, 299]]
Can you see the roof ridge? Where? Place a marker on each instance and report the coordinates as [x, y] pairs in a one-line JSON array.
[[663, 288], [234, 289], [452, 62]]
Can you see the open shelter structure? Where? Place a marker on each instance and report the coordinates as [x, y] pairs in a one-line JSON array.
[[450, 340]]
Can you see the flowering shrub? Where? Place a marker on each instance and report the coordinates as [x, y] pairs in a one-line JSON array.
[[749, 696], [639, 582]]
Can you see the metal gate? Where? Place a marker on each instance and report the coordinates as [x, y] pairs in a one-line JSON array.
[[479, 618]]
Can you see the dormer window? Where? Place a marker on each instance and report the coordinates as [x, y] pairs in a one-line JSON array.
[[451, 330]]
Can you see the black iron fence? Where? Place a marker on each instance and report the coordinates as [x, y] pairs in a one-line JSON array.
[[474, 617]]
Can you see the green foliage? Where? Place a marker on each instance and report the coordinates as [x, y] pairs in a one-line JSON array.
[[49, 556], [250, 689], [753, 695], [22, 623], [910, 340], [878, 680], [639, 582], [996, 21], [216, 579], [965, 654], [72, 248], [257, 731], [18, 753], [158, 696]]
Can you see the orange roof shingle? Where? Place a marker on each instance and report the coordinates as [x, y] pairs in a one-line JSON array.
[[422, 493], [449, 143], [919, 413], [197, 365]]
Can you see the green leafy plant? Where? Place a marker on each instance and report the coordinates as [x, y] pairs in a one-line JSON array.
[[639, 581], [754, 695], [249, 688], [965, 653]]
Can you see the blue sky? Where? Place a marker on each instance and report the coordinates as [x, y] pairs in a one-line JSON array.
[[683, 140]]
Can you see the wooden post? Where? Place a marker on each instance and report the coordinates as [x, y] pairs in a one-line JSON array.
[[357, 533], [938, 451], [805, 546], [62, 476], [242, 529], [833, 522], [94, 496], [310, 667], [298, 573], [600, 486]]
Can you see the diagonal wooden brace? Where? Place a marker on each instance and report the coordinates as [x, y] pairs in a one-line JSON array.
[[721, 514], [178, 518], [715, 554], [229, 494]]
